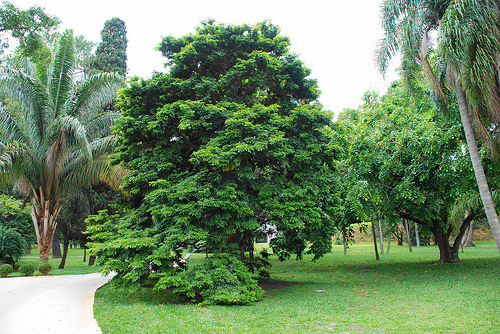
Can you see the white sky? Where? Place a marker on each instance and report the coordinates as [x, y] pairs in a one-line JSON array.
[[335, 39]]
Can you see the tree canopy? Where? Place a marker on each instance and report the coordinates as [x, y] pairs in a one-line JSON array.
[[231, 138], [26, 26], [111, 53]]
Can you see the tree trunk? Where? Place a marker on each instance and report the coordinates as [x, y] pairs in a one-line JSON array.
[[407, 229], [467, 239], [56, 246], [44, 217], [381, 236], [389, 244], [375, 241], [417, 238], [482, 183], [446, 253], [64, 255]]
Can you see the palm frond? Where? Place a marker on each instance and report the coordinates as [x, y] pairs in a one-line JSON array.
[[98, 170], [101, 126], [74, 131], [99, 147], [60, 74], [32, 96], [96, 93], [9, 129]]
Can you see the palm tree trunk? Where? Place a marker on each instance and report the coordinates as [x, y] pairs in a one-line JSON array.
[[482, 183], [44, 217]]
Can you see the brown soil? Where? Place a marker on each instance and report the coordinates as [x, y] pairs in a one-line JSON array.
[[275, 285]]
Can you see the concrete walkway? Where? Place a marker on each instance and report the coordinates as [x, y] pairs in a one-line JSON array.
[[49, 304]]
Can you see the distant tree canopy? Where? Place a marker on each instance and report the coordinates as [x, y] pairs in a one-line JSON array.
[[405, 160], [24, 25], [111, 53], [230, 139]]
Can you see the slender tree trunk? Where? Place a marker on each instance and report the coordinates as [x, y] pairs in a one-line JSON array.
[[381, 236], [417, 238], [375, 241], [64, 255], [389, 244], [346, 245], [56, 246], [482, 183], [407, 229]]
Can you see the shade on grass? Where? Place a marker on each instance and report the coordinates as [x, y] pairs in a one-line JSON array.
[[404, 292]]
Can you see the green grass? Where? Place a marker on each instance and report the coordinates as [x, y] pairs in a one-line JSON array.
[[403, 293], [74, 263]]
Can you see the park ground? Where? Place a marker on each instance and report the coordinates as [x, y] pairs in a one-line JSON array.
[[402, 293]]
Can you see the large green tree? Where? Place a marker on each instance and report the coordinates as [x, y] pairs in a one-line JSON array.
[[230, 139], [61, 139], [468, 51], [409, 161], [111, 53]]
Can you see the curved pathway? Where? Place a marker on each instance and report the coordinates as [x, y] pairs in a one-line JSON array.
[[49, 304]]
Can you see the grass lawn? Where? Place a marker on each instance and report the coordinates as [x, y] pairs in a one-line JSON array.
[[403, 293], [74, 263]]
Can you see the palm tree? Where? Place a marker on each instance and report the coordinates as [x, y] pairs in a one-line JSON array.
[[469, 48], [61, 140]]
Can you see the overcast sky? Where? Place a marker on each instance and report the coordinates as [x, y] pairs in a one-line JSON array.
[[335, 39]]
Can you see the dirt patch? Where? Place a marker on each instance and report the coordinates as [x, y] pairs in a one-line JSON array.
[[275, 285]]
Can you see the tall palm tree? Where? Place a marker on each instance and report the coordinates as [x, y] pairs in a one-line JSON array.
[[61, 140], [469, 47]]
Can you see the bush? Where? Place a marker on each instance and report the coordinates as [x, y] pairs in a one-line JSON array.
[[222, 280], [45, 268], [5, 270], [27, 269]]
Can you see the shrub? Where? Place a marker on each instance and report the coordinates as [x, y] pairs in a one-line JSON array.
[[27, 269], [44, 268], [5, 270], [222, 280]]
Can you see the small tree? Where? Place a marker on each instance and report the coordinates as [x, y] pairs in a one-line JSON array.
[[12, 245]]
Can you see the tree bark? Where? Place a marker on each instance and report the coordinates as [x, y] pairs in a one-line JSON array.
[[477, 165], [43, 214], [56, 246], [64, 255], [375, 241], [381, 236], [467, 239], [389, 244], [417, 238], [407, 229]]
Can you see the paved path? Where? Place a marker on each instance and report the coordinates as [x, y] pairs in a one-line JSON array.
[[49, 304]]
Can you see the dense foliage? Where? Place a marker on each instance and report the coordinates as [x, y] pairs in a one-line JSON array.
[[111, 53], [27, 26], [6, 270], [12, 245], [27, 269], [222, 280], [408, 162], [230, 139]]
